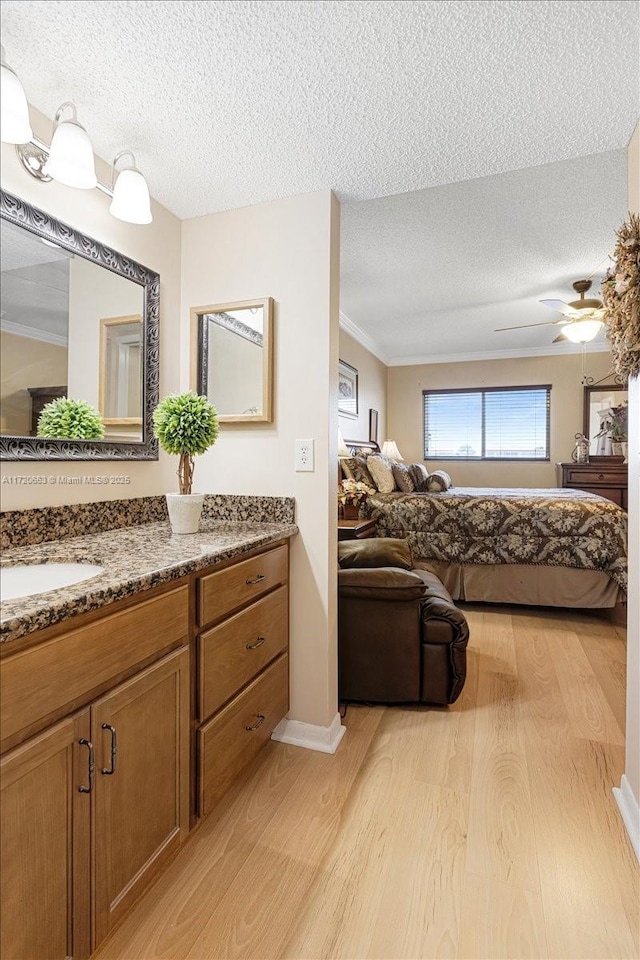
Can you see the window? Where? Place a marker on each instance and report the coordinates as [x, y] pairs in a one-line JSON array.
[[497, 423]]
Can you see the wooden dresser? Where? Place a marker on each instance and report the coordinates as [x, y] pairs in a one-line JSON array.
[[598, 476]]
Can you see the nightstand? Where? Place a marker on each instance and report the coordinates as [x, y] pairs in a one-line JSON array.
[[356, 529]]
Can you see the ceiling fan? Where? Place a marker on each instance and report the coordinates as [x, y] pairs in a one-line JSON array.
[[581, 320]]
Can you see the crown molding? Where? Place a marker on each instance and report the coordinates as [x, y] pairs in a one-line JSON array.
[[550, 351], [363, 338], [22, 330]]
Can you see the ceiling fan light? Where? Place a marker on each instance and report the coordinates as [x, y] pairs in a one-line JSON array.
[[71, 154], [15, 126], [582, 331]]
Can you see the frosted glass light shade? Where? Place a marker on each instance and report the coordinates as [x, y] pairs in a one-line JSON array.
[[14, 118], [390, 449], [71, 157], [582, 331], [131, 201]]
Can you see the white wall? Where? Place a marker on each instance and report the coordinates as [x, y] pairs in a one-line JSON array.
[[630, 792], [372, 390], [156, 246], [288, 250]]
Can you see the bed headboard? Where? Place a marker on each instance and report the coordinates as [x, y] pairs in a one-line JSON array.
[[366, 446]]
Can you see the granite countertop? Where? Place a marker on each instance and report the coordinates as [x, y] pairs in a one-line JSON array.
[[135, 559]]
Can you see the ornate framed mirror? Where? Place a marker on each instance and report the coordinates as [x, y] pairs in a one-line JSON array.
[[58, 285], [235, 359], [599, 401]]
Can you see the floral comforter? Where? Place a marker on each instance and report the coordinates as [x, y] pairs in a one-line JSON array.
[[551, 527]]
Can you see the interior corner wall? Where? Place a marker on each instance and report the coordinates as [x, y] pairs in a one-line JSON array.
[[563, 372], [287, 250], [156, 246], [372, 390]]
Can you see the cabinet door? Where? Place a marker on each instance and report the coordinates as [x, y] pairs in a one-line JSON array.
[[141, 736], [45, 824]]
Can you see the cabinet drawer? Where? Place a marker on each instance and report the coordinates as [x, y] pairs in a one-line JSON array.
[[222, 592], [590, 478], [231, 654], [67, 670], [232, 738]]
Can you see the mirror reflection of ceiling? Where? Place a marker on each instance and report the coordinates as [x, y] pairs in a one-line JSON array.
[[35, 286]]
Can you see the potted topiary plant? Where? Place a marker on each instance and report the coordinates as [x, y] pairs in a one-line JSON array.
[[67, 419], [187, 425]]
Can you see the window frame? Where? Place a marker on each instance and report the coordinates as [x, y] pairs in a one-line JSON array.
[[483, 391]]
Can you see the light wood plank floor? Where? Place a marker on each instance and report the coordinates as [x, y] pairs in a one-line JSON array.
[[486, 830]]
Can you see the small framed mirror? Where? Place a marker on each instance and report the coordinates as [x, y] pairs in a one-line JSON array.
[[599, 400], [235, 359]]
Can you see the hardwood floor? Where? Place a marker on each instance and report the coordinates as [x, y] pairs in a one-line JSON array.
[[485, 830]]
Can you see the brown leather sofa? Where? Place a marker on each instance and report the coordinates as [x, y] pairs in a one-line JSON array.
[[401, 639]]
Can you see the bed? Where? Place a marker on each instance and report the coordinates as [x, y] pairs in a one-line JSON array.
[[543, 547]]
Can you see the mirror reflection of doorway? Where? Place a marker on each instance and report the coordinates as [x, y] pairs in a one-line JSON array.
[[120, 394]]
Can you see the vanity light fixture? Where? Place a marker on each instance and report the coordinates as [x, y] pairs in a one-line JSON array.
[[131, 201], [71, 154], [14, 118]]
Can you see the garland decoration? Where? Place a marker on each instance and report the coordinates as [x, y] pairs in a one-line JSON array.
[[621, 298]]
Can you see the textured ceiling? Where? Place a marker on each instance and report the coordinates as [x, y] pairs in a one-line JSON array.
[[434, 272], [231, 102]]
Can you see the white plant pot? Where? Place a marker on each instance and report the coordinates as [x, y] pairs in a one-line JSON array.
[[184, 511]]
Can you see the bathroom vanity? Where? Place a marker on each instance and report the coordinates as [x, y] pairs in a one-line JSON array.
[[129, 705]]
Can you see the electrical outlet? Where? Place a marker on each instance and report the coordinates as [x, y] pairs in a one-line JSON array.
[[304, 456]]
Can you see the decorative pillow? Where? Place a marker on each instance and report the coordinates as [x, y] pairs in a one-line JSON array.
[[381, 471], [403, 478], [375, 552], [438, 481], [419, 476], [355, 468]]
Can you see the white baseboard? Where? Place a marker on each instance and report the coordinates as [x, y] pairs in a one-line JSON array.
[[310, 736], [630, 812]]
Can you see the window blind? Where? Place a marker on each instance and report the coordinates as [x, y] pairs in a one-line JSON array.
[[495, 423]]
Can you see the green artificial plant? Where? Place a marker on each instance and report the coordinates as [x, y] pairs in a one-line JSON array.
[[187, 425], [68, 419]]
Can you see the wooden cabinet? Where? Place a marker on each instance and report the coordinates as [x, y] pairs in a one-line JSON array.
[[99, 730], [242, 662], [606, 479], [45, 845], [140, 733]]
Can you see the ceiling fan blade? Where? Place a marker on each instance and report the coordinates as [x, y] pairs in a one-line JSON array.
[[560, 338], [562, 308], [545, 323]]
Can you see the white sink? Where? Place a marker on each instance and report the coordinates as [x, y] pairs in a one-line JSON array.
[[27, 579]]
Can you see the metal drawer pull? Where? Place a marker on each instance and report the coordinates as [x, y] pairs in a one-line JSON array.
[[92, 767], [114, 750], [260, 721], [255, 579], [601, 476], [258, 643]]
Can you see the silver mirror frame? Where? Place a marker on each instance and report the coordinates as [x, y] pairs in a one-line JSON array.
[[42, 224]]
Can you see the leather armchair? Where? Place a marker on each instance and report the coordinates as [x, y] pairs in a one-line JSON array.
[[401, 639]]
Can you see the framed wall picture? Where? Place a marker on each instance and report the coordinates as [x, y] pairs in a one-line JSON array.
[[373, 425], [347, 390]]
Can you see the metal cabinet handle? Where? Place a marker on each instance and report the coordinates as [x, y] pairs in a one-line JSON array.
[[253, 580], [258, 643], [601, 476], [114, 750], [91, 768], [259, 722]]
